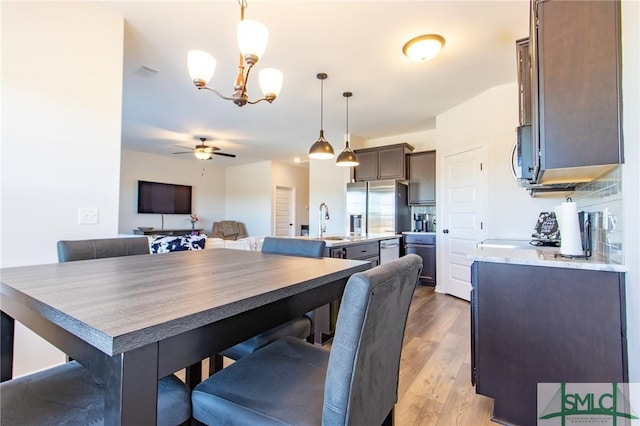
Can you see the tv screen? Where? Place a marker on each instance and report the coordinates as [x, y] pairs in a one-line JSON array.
[[163, 198]]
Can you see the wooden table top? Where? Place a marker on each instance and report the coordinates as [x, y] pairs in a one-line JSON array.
[[123, 303]]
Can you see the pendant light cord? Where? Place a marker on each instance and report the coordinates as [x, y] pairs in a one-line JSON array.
[[321, 104], [347, 122]]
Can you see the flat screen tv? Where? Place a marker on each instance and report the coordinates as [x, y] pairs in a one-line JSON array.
[[163, 198]]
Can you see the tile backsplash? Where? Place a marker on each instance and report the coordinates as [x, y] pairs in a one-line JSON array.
[[604, 198]]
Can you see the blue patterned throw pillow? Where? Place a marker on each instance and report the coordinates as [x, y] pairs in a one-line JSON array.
[[167, 244]]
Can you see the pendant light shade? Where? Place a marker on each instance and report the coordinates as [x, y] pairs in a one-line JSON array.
[[270, 81], [253, 37], [347, 157], [201, 66], [321, 149]]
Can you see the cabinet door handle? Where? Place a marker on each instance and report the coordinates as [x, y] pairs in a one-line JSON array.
[[445, 231]]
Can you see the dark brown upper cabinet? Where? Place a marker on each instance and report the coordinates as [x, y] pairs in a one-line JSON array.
[[422, 178], [384, 162], [576, 63]]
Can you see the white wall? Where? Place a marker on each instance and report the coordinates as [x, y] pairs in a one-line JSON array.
[[61, 119], [328, 184], [207, 180], [489, 120], [631, 182], [295, 177], [421, 141], [248, 196]]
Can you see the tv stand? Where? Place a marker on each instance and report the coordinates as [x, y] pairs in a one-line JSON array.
[[173, 232]]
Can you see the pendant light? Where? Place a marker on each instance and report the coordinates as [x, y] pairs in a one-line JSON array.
[[347, 157], [321, 149]]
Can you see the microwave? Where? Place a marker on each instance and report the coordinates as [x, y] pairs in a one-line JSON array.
[[523, 159]]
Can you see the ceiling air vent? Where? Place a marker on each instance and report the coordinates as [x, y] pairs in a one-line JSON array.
[[145, 72]]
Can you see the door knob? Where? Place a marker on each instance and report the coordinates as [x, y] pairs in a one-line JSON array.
[[445, 231]]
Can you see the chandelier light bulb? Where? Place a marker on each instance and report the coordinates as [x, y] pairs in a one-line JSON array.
[[201, 65], [270, 81], [252, 39]]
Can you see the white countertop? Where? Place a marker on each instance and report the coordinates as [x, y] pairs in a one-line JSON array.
[[541, 256], [343, 240], [418, 232]]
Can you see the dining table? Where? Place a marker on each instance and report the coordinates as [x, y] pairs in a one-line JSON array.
[[132, 320]]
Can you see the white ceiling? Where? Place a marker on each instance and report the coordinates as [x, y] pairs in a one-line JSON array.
[[357, 43]]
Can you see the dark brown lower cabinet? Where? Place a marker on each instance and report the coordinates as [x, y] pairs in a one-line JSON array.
[[534, 324]]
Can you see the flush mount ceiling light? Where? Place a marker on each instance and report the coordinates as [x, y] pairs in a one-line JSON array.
[[322, 149], [347, 157], [252, 42], [424, 47]]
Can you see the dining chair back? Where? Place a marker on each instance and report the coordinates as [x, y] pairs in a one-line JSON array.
[[293, 382], [299, 327], [294, 246], [71, 250]]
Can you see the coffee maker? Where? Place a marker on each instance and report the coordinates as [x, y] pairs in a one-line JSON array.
[[419, 222]]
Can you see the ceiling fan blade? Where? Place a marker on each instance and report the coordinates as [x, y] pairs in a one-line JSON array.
[[224, 154], [182, 153], [183, 147]]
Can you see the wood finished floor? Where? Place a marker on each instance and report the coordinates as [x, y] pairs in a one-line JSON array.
[[435, 386], [435, 370]]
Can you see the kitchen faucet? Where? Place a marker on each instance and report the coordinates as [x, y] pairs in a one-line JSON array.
[[321, 223]]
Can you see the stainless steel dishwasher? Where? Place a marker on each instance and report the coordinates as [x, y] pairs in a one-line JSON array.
[[389, 250], [424, 245]]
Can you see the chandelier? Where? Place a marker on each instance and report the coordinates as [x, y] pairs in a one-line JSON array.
[[252, 42]]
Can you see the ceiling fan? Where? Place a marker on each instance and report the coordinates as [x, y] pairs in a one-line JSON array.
[[203, 151]]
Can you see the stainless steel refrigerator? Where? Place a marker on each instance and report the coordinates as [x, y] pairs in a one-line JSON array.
[[383, 205]]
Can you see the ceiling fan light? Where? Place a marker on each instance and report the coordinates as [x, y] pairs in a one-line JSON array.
[[201, 65], [252, 38], [202, 152], [423, 48], [270, 82], [321, 149]]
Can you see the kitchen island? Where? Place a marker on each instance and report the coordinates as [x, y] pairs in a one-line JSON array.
[[540, 318], [361, 247]]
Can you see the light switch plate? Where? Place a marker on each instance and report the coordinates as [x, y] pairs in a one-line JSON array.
[[87, 216]]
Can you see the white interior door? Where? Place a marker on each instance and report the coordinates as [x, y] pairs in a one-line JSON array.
[[285, 215], [461, 227]]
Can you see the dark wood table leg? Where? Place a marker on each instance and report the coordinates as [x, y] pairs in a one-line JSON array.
[[216, 363], [7, 328], [321, 324], [131, 393], [193, 375]]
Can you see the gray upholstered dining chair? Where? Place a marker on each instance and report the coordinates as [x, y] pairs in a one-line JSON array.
[[69, 393], [100, 248], [299, 327], [294, 383]]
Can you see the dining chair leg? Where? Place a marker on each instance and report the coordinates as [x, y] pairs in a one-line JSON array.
[[7, 328], [216, 363]]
